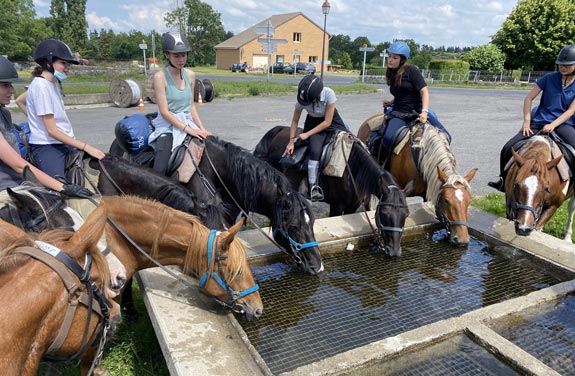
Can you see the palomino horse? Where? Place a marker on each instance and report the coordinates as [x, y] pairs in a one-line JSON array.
[[51, 289], [533, 188], [173, 237], [362, 178], [436, 176]]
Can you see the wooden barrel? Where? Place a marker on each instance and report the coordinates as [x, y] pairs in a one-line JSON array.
[[124, 93], [150, 94]]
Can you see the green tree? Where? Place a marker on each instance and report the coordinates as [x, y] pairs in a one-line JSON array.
[[487, 57], [535, 31], [68, 22], [202, 25], [19, 30], [357, 55]]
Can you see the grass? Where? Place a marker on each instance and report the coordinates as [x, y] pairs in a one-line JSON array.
[[495, 203]]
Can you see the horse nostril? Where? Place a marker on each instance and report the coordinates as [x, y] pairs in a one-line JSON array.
[[258, 313]]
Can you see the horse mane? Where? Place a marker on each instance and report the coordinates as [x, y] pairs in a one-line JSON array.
[[195, 260], [365, 170], [10, 260], [436, 152]]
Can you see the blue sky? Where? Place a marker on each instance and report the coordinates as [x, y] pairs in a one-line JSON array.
[[436, 23]]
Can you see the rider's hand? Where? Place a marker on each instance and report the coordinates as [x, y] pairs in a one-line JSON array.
[[526, 130], [548, 128], [303, 136], [290, 146], [422, 117], [96, 153], [387, 104], [74, 190]]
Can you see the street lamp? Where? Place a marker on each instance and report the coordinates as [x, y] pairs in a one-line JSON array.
[[325, 9]]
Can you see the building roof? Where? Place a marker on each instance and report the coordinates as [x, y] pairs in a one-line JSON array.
[[249, 34]]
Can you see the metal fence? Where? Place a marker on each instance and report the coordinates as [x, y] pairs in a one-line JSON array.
[[505, 77]]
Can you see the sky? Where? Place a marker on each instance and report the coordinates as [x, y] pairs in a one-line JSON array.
[[461, 23]]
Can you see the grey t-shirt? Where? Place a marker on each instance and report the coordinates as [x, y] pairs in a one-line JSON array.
[[8, 177], [317, 109]]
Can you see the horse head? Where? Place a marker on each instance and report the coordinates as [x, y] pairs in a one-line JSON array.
[[533, 188], [292, 226], [228, 276], [452, 204], [391, 213]]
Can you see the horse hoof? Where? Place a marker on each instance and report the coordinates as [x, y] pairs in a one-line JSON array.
[[101, 371]]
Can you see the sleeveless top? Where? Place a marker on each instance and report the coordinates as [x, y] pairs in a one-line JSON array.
[[8, 177]]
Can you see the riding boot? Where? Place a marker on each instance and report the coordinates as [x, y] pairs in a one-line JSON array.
[[162, 153], [316, 193], [498, 184]]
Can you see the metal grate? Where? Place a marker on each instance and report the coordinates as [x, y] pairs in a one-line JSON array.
[[363, 297], [547, 333], [455, 356]]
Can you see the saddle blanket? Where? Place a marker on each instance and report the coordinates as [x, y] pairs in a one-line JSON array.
[[562, 167], [341, 151]]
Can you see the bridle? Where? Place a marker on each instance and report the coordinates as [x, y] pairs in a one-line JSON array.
[[381, 203], [515, 206], [440, 212]]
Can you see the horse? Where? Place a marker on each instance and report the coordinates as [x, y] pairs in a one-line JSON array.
[[173, 237], [534, 189], [52, 286], [435, 173], [362, 178]]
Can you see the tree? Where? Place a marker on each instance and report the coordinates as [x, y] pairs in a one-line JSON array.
[[19, 30], [69, 23], [487, 57], [203, 27], [535, 31]]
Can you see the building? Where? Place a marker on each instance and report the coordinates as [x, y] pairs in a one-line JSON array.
[[302, 34]]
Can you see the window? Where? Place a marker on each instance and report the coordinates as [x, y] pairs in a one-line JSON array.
[[297, 37], [279, 58], [312, 59]]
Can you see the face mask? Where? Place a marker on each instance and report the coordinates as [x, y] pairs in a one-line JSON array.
[[60, 76]]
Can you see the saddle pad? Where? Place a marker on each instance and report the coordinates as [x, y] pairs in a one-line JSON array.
[[397, 149], [375, 121], [341, 151], [562, 166]]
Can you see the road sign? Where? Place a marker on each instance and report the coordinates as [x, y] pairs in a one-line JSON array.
[[143, 46], [272, 41], [265, 49], [367, 49]]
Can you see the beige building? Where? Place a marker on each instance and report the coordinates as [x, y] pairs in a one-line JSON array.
[[304, 37]]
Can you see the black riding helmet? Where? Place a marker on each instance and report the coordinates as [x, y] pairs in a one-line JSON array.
[[566, 55], [48, 49], [175, 42], [7, 71], [309, 89]]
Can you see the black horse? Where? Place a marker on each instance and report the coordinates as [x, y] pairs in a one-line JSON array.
[[362, 178]]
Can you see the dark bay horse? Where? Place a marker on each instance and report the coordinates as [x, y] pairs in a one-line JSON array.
[[534, 189], [54, 305], [362, 178], [173, 237], [436, 176]]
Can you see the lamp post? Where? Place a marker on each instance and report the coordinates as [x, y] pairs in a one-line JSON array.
[[325, 9]]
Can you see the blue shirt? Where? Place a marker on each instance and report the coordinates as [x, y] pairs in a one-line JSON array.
[[554, 100]]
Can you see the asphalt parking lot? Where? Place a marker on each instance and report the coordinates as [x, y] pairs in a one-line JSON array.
[[479, 120]]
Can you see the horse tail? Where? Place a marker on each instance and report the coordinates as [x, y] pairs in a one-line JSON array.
[[262, 149]]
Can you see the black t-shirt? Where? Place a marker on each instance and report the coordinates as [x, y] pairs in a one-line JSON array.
[[407, 97], [8, 177]]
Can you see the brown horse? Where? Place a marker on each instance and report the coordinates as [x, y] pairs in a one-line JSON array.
[[50, 310], [534, 189], [435, 174]]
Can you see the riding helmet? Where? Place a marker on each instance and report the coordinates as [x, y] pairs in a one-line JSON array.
[[175, 42], [566, 55], [7, 71], [399, 48], [309, 89], [53, 48]]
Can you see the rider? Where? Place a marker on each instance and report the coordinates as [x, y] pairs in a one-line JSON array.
[[322, 116], [410, 96], [51, 133], [554, 113], [11, 163], [177, 115]]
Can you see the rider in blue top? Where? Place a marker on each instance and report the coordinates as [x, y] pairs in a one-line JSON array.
[[554, 113]]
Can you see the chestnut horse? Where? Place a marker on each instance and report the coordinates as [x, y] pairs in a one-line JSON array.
[[534, 189], [52, 306], [435, 173]]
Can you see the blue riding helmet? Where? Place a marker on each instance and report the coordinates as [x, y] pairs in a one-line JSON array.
[[399, 48]]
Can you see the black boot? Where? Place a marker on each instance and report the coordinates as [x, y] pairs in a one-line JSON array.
[[498, 184]]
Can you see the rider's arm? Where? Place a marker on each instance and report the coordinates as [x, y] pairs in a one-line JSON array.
[[293, 130], [564, 116], [54, 132], [424, 104], [527, 104]]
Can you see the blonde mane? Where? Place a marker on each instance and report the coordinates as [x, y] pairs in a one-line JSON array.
[[435, 151]]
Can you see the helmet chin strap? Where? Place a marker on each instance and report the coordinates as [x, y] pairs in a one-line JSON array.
[[173, 66]]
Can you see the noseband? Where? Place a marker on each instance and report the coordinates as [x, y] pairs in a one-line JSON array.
[[393, 205], [210, 273], [442, 216]]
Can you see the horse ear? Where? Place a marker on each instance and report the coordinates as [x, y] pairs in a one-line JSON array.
[[91, 231], [29, 176], [442, 175], [520, 161], [471, 174], [24, 202], [554, 162], [229, 235], [409, 187]]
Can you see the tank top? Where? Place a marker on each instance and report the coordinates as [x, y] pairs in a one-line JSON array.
[[178, 100]]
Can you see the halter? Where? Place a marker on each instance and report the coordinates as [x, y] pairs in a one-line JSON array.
[[393, 205], [442, 217], [516, 207], [210, 273], [295, 246]]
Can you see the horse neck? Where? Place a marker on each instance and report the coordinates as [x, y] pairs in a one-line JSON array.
[[364, 170]]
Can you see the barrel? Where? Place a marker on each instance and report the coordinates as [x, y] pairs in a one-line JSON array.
[[124, 93], [150, 93]]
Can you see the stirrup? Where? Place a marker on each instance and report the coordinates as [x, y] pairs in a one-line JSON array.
[[498, 184], [316, 193]]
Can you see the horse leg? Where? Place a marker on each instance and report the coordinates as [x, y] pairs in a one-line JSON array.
[[569, 226], [545, 216], [128, 307]]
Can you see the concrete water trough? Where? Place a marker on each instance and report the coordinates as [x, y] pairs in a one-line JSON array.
[[484, 328]]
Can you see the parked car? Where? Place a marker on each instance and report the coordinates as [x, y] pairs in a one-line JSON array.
[[240, 67], [281, 68], [306, 68]]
